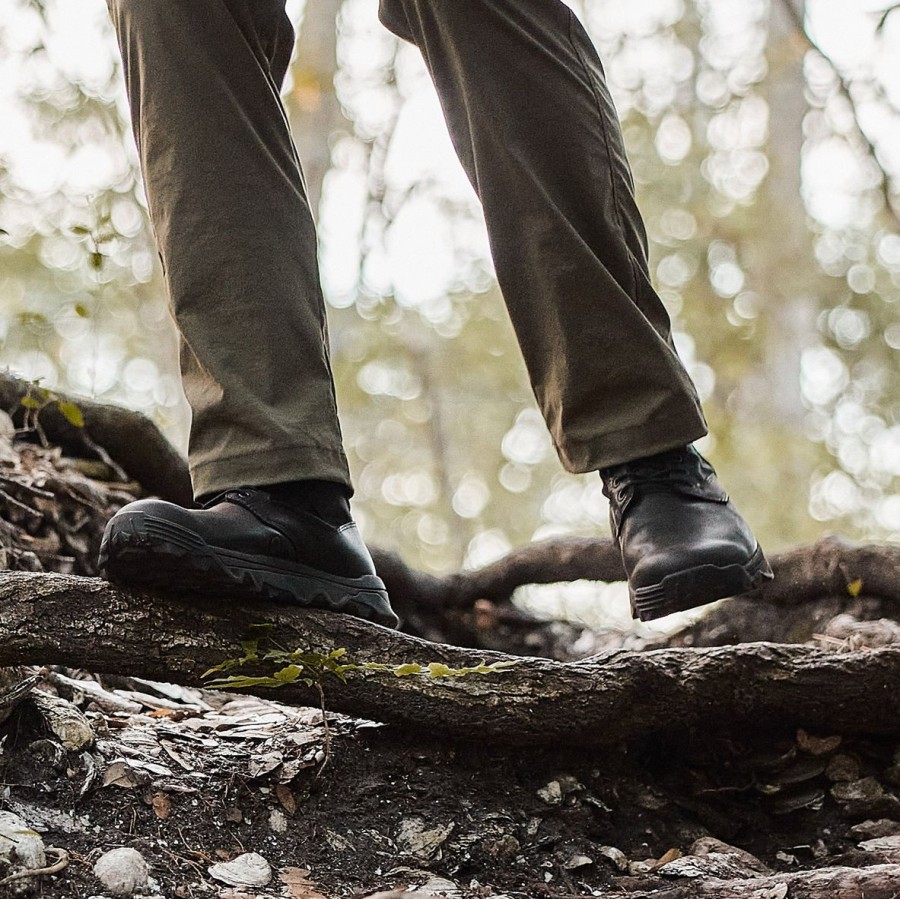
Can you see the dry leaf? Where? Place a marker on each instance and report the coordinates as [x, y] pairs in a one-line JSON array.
[[298, 885], [285, 796], [162, 805], [265, 764], [121, 774]]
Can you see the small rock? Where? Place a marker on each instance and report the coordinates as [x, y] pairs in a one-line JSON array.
[[123, 872], [636, 869], [278, 821], [420, 841], [616, 856], [552, 793], [247, 870], [437, 886], [502, 848], [864, 789], [577, 861], [883, 827], [842, 768]]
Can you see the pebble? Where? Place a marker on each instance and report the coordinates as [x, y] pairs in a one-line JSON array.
[[124, 872], [551, 793], [247, 870], [415, 838], [866, 788], [883, 827]]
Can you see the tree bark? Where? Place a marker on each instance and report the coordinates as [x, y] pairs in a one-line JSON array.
[[617, 696], [873, 882]]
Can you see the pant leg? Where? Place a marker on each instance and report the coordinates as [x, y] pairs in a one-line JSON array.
[[532, 120], [236, 236]]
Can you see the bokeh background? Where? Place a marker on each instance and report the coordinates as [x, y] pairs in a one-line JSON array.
[[765, 141]]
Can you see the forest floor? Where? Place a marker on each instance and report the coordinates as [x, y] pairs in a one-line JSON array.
[[195, 778]]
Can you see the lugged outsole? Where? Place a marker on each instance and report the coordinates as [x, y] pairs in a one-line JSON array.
[[699, 586], [150, 553]]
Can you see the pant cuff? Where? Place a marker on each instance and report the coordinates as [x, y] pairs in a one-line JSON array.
[[628, 444], [270, 466]]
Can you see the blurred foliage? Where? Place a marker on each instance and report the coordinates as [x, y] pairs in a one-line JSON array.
[[782, 283], [82, 306]]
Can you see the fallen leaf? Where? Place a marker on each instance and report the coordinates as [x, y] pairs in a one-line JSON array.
[[162, 805], [265, 764], [298, 885], [285, 796], [121, 774]]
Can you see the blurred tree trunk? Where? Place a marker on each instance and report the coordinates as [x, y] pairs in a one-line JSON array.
[[778, 256], [312, 103], [783, 243]]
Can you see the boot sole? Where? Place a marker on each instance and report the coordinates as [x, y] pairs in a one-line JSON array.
[[151, 553], [698, 586]]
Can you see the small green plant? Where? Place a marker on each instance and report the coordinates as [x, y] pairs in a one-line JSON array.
[[313, 668]]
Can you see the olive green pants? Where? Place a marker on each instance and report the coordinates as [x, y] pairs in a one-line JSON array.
[[534, 125]]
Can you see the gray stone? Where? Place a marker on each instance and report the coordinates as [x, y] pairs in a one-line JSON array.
[[552, 793], [869, 830], [415, 838], [124, 872], [866, 788], [247, 870]]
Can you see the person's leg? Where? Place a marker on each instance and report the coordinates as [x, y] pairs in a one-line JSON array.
[[533, 123], [235, 235], [238, 245]]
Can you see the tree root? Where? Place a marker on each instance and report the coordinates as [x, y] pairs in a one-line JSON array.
[[132, 441], [616, 696]]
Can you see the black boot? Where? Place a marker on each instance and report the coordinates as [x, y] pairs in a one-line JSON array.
[[683, 543], [244, 544]]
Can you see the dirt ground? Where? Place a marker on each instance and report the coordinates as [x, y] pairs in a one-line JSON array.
[[193, 779]]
